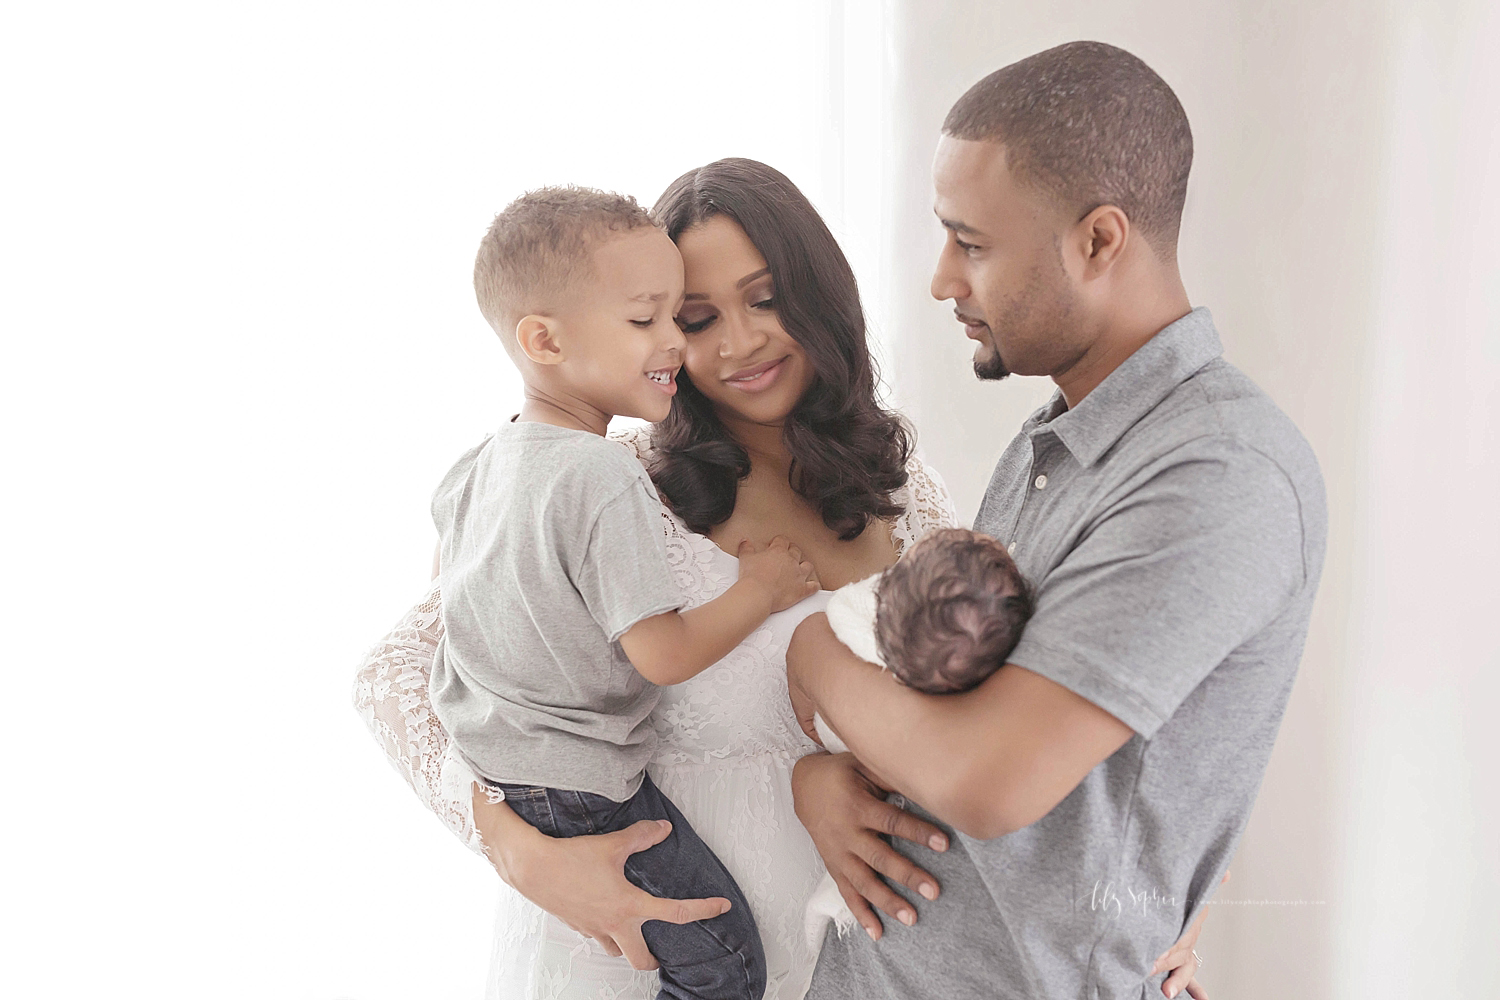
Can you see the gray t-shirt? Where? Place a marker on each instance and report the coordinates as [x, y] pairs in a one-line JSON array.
[[1174, 524], [552, 548]]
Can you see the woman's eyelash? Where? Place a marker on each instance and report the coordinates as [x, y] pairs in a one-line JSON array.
[[699, 325]]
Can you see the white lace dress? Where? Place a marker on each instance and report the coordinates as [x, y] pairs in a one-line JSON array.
[[728, 740]]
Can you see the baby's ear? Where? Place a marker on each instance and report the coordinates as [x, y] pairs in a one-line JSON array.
[[536, 336]]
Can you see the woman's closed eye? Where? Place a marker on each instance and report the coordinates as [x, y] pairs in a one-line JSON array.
[[695, 324], [769, 302]]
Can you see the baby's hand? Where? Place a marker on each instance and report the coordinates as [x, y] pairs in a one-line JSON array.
[[781, 568]]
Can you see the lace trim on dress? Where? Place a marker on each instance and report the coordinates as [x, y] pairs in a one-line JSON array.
[[390, 695]]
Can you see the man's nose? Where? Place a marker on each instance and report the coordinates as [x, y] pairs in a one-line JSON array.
[[947, 282]]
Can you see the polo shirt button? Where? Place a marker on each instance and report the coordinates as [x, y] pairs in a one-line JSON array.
[[1041, 482], [1011, 548]]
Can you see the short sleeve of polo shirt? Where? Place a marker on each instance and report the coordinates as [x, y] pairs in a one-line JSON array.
[[1191, 560], [624, 575]]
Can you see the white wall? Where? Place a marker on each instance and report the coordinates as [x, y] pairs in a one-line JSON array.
[[1338, 220], [240, 349], [1421, 826]]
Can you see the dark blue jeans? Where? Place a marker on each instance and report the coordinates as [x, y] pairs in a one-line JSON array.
[[703, 960]]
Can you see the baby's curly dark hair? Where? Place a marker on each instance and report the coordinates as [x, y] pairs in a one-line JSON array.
[[949, 612]]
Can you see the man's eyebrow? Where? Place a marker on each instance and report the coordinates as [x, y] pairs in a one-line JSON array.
[[751, 277], [962, 228]]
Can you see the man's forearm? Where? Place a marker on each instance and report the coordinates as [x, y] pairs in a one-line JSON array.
[[906, 738], [988, 761]]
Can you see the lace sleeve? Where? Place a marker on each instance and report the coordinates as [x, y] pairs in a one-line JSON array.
[[390, 695], [637, 439], [927, 503]]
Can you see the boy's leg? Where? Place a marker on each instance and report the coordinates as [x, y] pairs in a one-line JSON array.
[[704, 960]]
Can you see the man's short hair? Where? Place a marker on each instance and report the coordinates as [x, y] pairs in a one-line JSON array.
[[1090, 124], [542, 243], [950, 611]]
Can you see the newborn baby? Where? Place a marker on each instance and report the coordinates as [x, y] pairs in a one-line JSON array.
[[941, 620]]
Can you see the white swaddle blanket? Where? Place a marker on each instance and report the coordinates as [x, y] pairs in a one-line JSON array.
[[851, 614]]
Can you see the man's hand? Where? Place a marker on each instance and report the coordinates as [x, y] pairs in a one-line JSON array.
[[581, 880], [845, 812]]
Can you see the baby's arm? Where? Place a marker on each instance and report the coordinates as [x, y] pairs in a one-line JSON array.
[[676, 646]]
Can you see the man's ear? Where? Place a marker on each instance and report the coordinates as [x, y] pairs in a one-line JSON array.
[[1103, 234], [537, 338]]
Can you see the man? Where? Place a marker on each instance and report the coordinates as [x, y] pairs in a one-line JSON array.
[[1173, 522]]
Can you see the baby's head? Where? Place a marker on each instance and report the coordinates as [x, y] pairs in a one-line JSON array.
[[582, 289], [950, 611]]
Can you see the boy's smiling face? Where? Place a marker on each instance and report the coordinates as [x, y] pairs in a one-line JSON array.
[[621, 348]]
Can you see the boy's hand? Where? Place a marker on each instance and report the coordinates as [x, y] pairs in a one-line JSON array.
[[781, 568]]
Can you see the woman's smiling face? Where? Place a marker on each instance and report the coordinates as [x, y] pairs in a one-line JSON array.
[[738, 354]]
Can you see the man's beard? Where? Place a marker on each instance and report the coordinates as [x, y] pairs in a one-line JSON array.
[[992, 368], [1042, 314]]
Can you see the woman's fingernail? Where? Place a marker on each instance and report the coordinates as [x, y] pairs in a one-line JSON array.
[[928, 890], [871, 931], [907, 917], [938, 842]]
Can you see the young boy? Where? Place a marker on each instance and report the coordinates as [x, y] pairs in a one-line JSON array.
[[561, 611]]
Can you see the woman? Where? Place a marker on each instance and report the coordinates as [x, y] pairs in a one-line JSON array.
[[775, 430]]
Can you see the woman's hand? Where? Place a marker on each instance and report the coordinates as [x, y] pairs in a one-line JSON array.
[[581, 880], [1183, 960], [846, 814]]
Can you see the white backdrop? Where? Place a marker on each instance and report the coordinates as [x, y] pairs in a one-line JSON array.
[[241, 347]]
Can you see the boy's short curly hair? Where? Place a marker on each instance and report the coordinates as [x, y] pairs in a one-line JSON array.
[[540, 244], [950, 611]]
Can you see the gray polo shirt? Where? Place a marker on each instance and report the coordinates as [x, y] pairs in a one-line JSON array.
[[1174, 524], [553, 545]]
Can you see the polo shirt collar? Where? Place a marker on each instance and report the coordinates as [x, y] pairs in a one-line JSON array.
[[1132, 390]]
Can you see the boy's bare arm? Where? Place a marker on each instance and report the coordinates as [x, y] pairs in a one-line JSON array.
[[674, 647]]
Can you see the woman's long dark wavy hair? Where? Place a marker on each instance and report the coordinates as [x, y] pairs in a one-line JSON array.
[[848, 453]]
